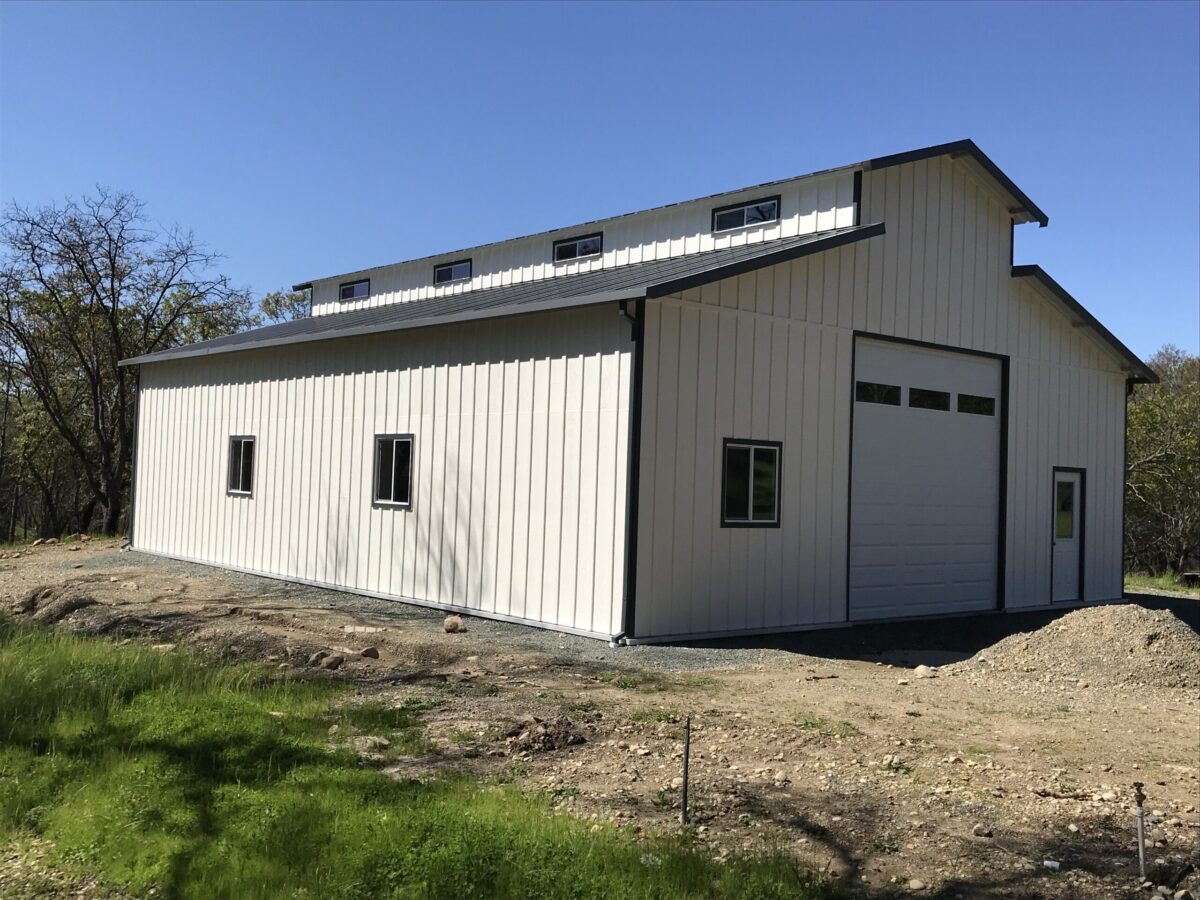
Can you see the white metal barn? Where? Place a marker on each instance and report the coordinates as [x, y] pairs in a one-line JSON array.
[[819, 401]]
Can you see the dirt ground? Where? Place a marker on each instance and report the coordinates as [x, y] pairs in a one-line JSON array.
[[1005, 770]]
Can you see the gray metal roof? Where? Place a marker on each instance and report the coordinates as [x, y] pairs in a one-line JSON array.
[[647, 279]]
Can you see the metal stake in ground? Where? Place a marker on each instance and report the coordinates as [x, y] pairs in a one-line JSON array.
[[1139, 798], [687, 749]]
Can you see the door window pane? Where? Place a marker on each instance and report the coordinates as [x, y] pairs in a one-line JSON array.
[[1064, 509]]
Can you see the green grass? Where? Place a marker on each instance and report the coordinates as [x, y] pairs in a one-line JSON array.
[[1135, 581], [826, 727], [655, 715], [166, 773]]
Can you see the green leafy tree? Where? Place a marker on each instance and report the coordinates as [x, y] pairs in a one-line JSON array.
[[84, 285], [1162, 507], [284, 306]]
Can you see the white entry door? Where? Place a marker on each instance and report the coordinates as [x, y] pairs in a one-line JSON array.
[[924, 482], [1068, 496]]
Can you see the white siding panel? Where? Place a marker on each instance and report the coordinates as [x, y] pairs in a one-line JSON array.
[[519, 427], [770, 358], [809, 204]]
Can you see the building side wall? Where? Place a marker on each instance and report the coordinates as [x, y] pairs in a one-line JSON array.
[[521, 450], [808, 205], [768, 355]]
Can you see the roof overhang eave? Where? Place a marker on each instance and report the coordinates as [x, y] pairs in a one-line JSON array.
[[1136, 371]]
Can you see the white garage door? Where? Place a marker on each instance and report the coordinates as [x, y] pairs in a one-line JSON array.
[[925, 481]]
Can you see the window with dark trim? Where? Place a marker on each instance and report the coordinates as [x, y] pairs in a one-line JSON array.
[[976, 406], [241, 465], [750, 483], [739, 215], [355, 290], [455, 271], [922, 398], [578, 247], [393, 470], [870, 392]]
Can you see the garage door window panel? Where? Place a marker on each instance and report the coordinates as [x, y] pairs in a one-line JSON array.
[[750, 484], [921, 398], [976, 405], [871, 392]]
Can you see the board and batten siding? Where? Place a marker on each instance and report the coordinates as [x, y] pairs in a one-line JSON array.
[[520, 457], [768, 355], [807, 205]]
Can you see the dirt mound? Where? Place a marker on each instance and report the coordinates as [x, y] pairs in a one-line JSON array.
[[50, 604], [1114, 645], [534, 735]]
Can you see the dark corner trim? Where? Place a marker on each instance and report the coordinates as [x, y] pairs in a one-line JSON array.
[[1082, 473], [858, 179], [633, 488], [971, 149], [1124, 479], [307, 286], [1140, 372], [797, 251], [1002, 507], [137, 427]]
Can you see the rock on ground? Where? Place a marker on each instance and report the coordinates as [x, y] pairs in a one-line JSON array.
[[1115, 645]]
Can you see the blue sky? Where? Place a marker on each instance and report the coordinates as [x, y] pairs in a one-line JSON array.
[[307, 140]]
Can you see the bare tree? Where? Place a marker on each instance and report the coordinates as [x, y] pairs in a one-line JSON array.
[[86, 284]]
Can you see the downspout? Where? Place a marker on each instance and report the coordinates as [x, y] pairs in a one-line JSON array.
[[629, 602]]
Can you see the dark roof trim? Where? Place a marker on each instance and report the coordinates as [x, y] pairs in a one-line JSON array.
[[469, 315], [730, 270], [1139, 372], [965, 148], [307, 286], [630, 282]]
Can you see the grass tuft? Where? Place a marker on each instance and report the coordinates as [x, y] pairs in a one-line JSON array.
[[166, 773]]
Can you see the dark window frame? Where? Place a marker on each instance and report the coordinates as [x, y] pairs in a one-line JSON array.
[[599, 235], [346, 284], [450, 265], [777, 199], [376, 502], [751, 444], [241, 440]]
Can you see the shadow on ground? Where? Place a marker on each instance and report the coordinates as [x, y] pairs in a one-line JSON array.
[[932, 641]]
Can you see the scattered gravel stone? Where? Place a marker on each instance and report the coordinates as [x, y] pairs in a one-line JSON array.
[[1118, 645], [916, 884]]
